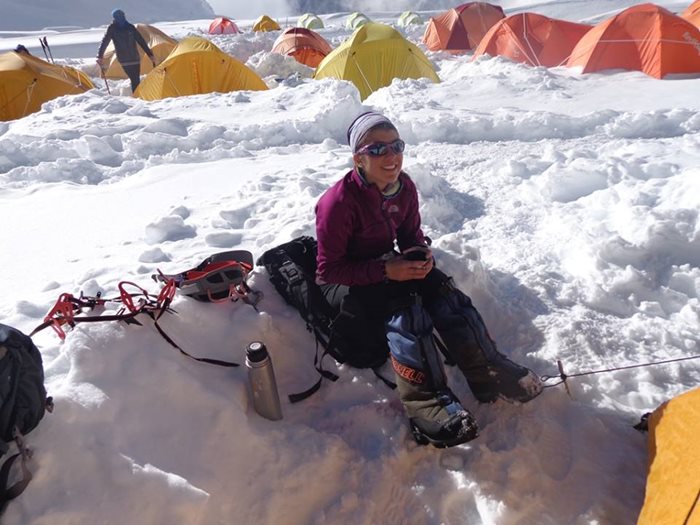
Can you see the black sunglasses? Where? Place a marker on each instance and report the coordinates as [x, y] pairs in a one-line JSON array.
[[379, 149]]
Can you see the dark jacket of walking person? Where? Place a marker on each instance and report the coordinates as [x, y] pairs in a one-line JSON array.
[[359, 220], [125, 37]]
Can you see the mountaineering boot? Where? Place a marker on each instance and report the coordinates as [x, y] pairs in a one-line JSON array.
[[435, 415], [441, 420], [490, 374]]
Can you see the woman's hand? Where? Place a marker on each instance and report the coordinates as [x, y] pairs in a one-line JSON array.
[[406, 268]]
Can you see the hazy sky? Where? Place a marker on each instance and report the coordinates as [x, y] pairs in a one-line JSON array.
[[248, 9]]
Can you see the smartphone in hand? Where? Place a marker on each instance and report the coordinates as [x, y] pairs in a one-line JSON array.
[[415, 255]]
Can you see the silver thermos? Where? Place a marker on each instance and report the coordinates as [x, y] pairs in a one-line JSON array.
[[261, 379]]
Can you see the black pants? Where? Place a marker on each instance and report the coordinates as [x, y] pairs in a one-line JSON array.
[[133, 71], [364, 311], [381, 299], [408, 326]]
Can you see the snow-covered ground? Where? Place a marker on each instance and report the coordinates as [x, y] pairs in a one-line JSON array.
[[566, 205]]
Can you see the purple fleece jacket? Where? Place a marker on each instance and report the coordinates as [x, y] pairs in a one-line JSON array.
[[356, 225]]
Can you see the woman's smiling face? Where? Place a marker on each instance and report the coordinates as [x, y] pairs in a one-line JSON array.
[[384, 170]]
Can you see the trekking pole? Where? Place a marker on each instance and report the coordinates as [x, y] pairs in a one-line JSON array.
[[43, 47], [46, 42], [102, 74]]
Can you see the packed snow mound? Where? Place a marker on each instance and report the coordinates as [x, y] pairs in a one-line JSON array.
[[17, 16], [278, 66]]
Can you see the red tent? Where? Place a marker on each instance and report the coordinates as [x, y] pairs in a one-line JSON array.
[[461, 29], [645, 38], [533, 39], [306, 46], [222, 25]]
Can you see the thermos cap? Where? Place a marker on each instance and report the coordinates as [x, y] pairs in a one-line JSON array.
[[256, 352]]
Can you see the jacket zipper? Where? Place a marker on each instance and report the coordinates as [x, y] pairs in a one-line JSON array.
[[386, 217]]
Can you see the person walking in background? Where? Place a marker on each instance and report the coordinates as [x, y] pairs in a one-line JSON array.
[[125, 37], [359, 221]]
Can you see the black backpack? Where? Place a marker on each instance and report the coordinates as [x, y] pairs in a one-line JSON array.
[[348, 336], [23, 403]]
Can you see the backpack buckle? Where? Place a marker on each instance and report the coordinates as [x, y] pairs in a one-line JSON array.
[[290, 273]]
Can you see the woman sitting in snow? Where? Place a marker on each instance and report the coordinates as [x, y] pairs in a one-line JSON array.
[[357, 222]]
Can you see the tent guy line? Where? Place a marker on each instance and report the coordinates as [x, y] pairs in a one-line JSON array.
[[564, 376]]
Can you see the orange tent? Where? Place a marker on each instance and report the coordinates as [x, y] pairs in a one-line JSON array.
[[223, 26], [461, 28], [645, 38], [692, 13], [533, 39], [306, 46]]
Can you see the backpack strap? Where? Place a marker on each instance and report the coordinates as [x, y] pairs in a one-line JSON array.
[[296, 278], [325, 374], [9, 493], [386, 381]]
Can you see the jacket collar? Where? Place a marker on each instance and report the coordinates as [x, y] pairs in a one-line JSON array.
[[362, 183], [359, 179]]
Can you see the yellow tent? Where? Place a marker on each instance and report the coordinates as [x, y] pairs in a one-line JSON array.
[[26, 82], [265, 23], [673, 483], [160, 43], [194, 67], [373, 56]]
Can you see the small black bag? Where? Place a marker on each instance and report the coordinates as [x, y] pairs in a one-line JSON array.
[[349, 336], [23, 402]]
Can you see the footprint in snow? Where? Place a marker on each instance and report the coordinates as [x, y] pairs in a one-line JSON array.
[[459, 507], [155, 255], [170, 228], [223, 239], [554, 450]]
